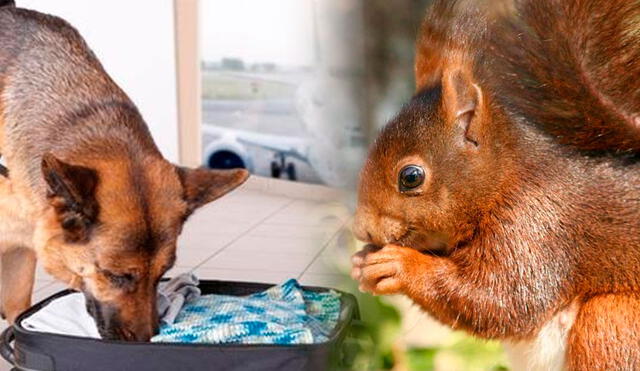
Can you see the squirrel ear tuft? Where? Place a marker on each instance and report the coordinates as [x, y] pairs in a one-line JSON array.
[[463, 102]]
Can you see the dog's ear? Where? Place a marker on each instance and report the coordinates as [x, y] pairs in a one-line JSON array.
[[71, 192], [202, 186]]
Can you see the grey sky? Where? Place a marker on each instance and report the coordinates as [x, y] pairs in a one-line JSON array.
[[279, 31]]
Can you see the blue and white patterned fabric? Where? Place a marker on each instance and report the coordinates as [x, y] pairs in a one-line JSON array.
[[284, 314]]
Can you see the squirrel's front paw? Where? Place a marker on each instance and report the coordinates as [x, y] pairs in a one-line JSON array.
[[383, 271]]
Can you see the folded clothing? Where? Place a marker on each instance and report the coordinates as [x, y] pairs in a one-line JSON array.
[[173, 294], [284, 314], [68, 314]]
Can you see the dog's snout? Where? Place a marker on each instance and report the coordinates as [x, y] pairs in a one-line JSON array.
[[130, 334], [126, 334], [140, 334], [117, 330], [126, 324]]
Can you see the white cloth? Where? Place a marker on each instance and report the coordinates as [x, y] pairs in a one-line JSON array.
[[65, 316]]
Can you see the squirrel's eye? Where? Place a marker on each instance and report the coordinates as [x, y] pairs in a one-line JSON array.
[[411, 177]]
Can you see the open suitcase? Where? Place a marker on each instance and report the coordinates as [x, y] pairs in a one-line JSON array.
[[28, 350]]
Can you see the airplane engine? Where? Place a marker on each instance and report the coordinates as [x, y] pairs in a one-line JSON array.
[[226, 153]]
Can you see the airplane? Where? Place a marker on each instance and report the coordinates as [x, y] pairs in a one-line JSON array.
[[327, 146], [229, 150], [334, 143]]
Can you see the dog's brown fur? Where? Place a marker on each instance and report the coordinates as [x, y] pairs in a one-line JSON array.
[[526, 123], [87, 188]]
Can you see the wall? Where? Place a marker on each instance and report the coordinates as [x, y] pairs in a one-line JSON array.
[[135, 42]]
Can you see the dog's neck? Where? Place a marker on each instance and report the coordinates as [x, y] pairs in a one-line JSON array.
[[106, 138]]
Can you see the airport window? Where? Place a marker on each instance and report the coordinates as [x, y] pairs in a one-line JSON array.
[[275, 98]]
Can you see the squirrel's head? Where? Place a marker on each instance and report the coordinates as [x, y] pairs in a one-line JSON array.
[[433, 169]]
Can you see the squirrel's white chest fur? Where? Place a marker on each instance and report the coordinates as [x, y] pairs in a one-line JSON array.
[[545, 352]]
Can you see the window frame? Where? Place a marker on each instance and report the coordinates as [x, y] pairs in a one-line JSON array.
[[188, 82]]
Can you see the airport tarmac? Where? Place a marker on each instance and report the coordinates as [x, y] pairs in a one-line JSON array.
[[276, 116]]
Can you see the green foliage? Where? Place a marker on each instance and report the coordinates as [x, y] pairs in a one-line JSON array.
[[375, 332], [374, 335], [421, 359], [467, 353]]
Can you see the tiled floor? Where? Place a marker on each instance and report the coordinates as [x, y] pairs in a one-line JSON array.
[[253, 235]]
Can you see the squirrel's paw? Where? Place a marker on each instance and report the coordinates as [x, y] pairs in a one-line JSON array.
[[383, 271]]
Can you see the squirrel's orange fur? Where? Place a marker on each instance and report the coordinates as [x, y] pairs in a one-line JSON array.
[[526, 123]]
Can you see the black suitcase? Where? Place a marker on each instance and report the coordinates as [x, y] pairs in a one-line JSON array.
[[51, 352]]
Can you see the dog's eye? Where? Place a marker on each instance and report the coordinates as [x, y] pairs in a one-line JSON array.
[[410, 177], [119, 280]]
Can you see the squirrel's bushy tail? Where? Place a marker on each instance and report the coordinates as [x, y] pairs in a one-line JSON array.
[[7, 3], [572, 68]]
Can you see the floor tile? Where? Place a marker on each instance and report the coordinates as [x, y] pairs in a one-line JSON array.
[[244, 204], [4, 365], [263, 261], [192, 257], [303, 212], [320, 233], [325, 264], [215, 227], [300, 246], [47, 291], [42, 275], [38, 285]]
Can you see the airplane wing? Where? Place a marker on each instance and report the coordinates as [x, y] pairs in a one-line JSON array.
[[295, 147]]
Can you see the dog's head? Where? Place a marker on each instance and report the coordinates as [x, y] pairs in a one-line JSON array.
[[110, 230]]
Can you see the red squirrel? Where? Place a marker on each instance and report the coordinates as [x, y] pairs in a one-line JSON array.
[[504, 199]]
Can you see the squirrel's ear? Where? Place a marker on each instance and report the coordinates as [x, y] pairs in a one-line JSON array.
[[463, 104]]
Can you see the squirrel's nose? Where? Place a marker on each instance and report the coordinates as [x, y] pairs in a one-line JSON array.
[[372, 228], [360, 227]]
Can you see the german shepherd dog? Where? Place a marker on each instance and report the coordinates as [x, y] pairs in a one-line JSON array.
[[87, 190]]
